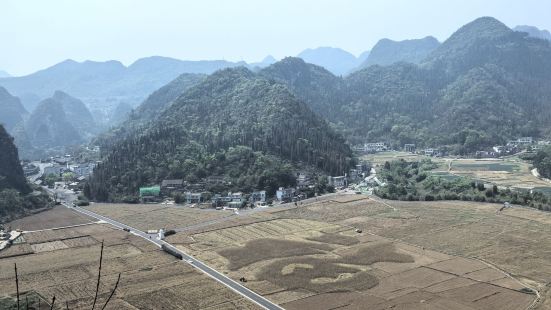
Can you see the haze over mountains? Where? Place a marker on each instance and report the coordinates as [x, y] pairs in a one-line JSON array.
[[4, 74], [400, 92]]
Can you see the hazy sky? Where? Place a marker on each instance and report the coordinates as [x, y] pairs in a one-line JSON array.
[[35, 34]]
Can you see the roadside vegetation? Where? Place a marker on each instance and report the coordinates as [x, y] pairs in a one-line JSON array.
[[412, 181]]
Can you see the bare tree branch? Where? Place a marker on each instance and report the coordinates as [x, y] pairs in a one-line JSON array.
[[112, 292], [53, 302], [17, 285], [99, 276]]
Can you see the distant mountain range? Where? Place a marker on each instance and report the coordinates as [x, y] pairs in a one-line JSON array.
[[4, 74], [534, 32], [102, 86]]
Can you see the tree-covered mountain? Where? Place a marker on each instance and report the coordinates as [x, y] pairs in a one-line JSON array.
[[11, 173], [336, 60], [387, 52], [484, 85], [12, 111], [16, 196], [250, 130], [311, 83], [534, 32]]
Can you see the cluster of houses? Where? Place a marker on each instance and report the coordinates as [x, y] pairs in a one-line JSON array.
[[62, 165], [513, 147], [196, 194], [179, 186]]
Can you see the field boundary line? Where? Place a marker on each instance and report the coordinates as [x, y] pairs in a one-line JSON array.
[[59, 228], [538, 295]]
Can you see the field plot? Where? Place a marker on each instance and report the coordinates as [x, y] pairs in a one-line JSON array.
[[378, 159], [509, 172], [64, 263], [155, 216], [57, 217]]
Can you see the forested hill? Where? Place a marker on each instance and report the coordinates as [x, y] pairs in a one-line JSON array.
[[484, 85], [311, 83], [17, 198], [11, 173], [253, 131]]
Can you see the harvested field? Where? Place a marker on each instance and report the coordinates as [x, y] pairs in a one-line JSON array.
[[57, 217], [370, 254], [67, 268], [15, 250], [48, 246], [155, 216], [334, 239], [261, 249], [309, 257], [317, 275], [363, 268]]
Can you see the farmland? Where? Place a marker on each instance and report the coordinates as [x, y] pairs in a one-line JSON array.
[[341, 251], [310, 257], [64, 262], [152, 216]]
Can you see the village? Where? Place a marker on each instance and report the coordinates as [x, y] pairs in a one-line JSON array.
[[527, 144], [180, 191]]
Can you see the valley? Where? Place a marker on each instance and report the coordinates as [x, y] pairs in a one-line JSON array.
[[411, 170]]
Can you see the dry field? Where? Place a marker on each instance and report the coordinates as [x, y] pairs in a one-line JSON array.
[[56, 217], [310, 257], [409, 255], [64, 263], [155, 216]]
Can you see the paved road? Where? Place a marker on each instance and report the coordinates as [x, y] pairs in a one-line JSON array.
[[235, 286]]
